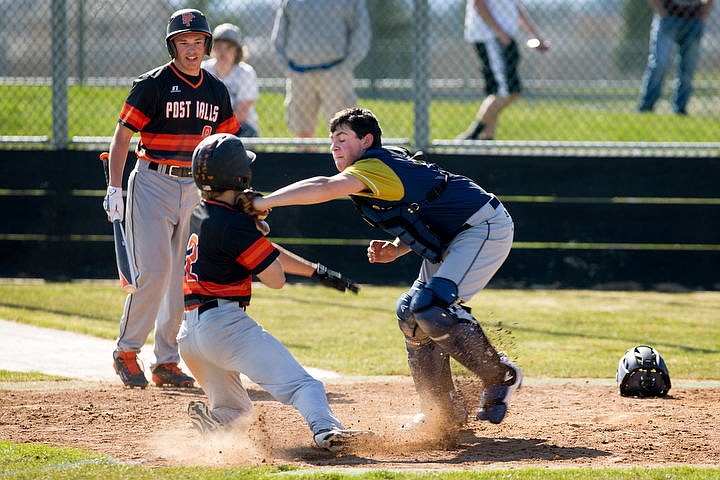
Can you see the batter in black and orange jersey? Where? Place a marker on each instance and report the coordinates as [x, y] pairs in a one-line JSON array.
[[173, 107], [218, 340]]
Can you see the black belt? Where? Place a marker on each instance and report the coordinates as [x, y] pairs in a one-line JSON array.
[[172, 170], [209, 305]]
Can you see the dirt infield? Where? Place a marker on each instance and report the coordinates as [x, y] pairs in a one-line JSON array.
[[578, 424]]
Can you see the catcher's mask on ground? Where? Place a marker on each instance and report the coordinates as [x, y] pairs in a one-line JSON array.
[[642, 372], [220, 162], [187, 20]]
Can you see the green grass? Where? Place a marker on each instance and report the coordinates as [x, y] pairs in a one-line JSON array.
[[10, 376], [31, 461], [551, 333], [578, 116]]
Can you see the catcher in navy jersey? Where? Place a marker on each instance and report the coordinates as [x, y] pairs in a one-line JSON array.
[[173, 107], [462, 232], [218, 340]]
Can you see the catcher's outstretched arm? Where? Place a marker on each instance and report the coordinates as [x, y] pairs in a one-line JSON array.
[[311, 191]]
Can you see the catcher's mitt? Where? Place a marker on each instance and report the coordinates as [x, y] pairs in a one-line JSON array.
[[244, 202], [333, 279]]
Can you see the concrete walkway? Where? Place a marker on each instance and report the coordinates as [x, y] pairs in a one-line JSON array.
[[26, 348]]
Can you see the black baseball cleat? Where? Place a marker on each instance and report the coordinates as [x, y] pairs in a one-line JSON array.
[[170, 374], [129, 369]]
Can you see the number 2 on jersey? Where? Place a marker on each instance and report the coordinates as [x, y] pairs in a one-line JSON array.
[[191, 256]]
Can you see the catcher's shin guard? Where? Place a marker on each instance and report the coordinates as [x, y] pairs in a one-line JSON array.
[[430, 369], [437, 312], [466, 342]]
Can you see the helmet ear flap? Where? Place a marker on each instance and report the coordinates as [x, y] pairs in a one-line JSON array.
[[171, 49], [208, 45]]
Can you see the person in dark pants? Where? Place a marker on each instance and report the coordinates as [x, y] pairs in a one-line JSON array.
[[680, 23]]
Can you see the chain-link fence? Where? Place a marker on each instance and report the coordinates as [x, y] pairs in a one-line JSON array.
[[67, 65]]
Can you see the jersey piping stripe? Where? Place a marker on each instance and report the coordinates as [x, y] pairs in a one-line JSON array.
[[242, 288], [173, 145], [255, 254], [133, 118], [143, 154], [231, 125], [170, 141], [182, 77]]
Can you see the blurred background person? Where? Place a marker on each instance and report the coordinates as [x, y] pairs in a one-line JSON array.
[[320, 42], [491, 26], [227, 63], [675, 22]]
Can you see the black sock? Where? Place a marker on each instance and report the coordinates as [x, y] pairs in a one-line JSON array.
[[479, 127]]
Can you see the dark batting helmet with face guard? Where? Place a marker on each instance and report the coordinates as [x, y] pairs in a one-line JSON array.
[[184, 21], [220, 162], [642, 372]]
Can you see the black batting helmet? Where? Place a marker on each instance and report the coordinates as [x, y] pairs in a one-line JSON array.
[[220, 162], [184, 21], [642, 372]]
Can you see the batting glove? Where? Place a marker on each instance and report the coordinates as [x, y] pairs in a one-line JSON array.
[[113, 203], [332, 279]]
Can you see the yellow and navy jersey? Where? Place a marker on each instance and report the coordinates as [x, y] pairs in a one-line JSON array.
[[395, 179], [173, 112], [224, 250]]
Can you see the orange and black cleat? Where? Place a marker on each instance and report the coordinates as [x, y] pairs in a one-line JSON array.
[[170, 374], [129, 370]]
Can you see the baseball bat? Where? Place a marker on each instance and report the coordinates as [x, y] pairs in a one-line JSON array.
[[126, 272]]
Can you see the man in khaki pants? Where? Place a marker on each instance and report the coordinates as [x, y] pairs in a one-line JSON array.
[[320, 42]]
